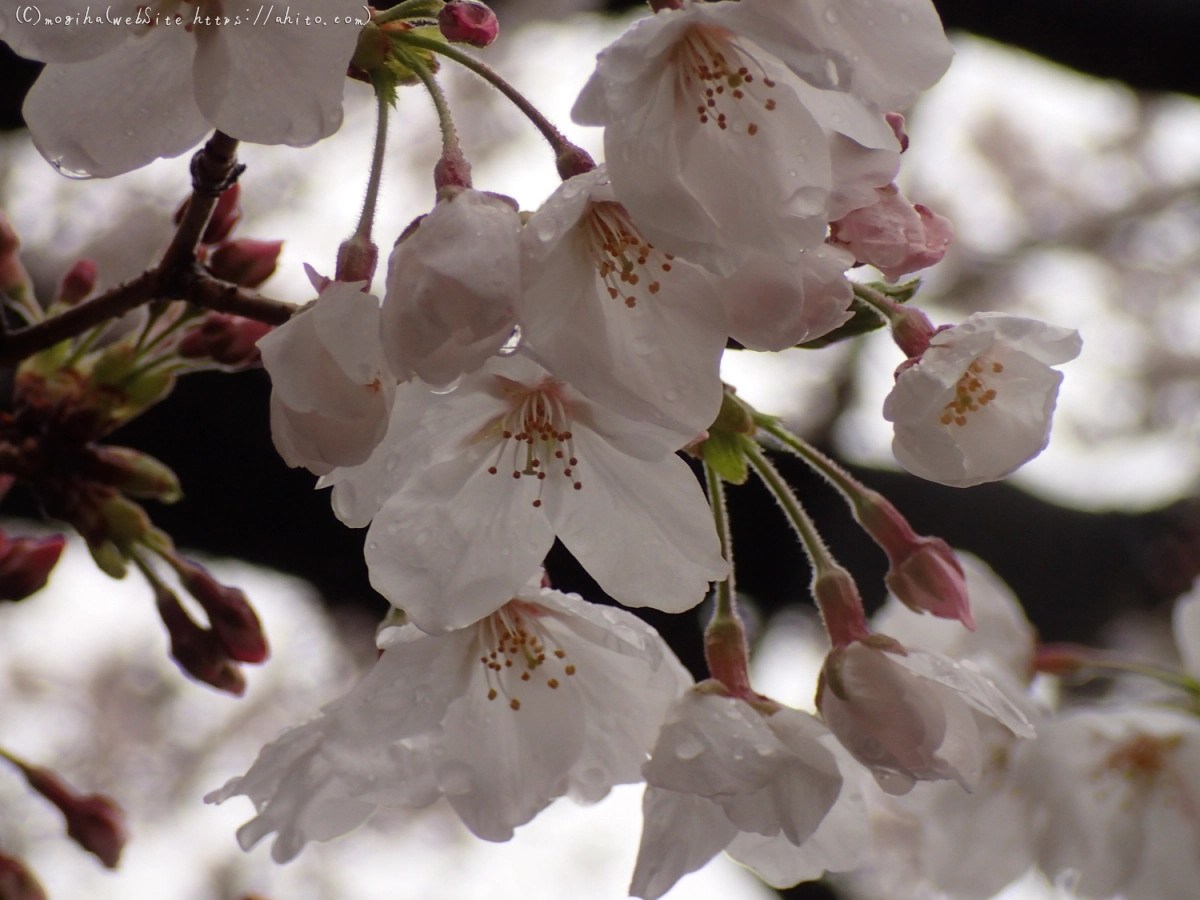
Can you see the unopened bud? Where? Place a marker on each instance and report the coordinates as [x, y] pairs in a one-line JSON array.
[[356, 260], [77, 284], [196, 650], [138, 474], [233, 619], [226, 339], [14, 281], [226, 214], [26, 563], [95, 822], [468, 22], [245, 262], [125, 523], [840, 604], [1062, 659], [924, 575], [17, 882]]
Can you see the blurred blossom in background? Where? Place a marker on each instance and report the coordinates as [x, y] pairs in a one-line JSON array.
[[1075, 200]]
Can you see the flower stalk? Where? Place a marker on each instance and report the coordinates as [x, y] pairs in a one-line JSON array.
[[725, 647]]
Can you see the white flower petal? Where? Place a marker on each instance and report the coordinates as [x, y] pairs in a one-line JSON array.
[[1186, 622], [643, 530], [680, 833], [98, 116], [277, 85], [83, 39]]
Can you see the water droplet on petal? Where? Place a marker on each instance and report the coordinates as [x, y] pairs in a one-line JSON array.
[[689, 748], [513, 344], [831, 17], [455, 778], [66, 171]]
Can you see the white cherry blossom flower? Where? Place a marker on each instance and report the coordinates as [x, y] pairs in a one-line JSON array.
[[470, 488], [977, 405], [624, 323], [907, 714], [547, 696], [1116, 794], [761, 781], [452, 288], [331, 389], [116, 97]]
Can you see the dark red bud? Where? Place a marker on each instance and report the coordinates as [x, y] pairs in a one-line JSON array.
[[197, 650], [233, 619], [17, 882], [225, 339], [573, 161], [77, 283], [226, 214], [468, 22], [95, 822], [26, 563], [245, 262]]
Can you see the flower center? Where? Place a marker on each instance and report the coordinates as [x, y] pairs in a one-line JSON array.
[[1143, 757], [728, 86], [535, 433], [970, 395], [516, 650], [625, 261]]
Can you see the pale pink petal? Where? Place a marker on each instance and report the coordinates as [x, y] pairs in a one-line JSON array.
[[680, 834], [29, 35]]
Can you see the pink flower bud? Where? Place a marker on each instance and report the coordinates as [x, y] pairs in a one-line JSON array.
[[77, 283], [196, 650], [468, 22], [94, 822], [1063, 659], [233, 619], [245, 262], [14, 280], [893, 235], [356, 260], [925, 575], [226, 214], [226, 339], [26, 563], [17, 882], [136, 474]]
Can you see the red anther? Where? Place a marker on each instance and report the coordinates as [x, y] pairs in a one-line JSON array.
[[468, 22], [225, 339], [233, 619], [26, 563], [77, 284], [245, 262]]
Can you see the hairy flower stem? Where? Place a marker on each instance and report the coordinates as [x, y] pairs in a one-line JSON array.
[[911, 328], [1074, 659], [452, 169], [367, 219], [871, 509], [571, 159], [403, 10], [725, 647], [833, 587]]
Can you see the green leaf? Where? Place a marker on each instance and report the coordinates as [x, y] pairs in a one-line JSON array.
[[725, 452]]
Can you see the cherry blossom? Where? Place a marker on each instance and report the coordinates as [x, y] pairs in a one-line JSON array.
[[977, 405], [1116, 793], [469, 489], [113, 98], [624, 323], [452, 287], [894, 235], [547, 696], [907, 714], [331, 389], [718, 150], [756, 779]]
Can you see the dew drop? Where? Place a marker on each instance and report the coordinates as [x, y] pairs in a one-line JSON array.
[[422, 537], [447, 388], [76, 174], [671, 396], [513, 344], [831, 17], [689, 748], [545, 228], [905, 18]]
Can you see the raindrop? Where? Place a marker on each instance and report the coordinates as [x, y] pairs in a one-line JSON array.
[[905, 18], [391, 464], [689, 748], [545, 228], [447, 388], [372, 546], [77, 174], [671, 396], [512, 344], [831, 17]]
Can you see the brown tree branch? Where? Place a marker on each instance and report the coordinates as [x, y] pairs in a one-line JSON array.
[[177, 276]]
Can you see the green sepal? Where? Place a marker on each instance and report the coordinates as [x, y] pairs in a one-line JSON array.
[[725, 452], [109, 559], [865, 319]]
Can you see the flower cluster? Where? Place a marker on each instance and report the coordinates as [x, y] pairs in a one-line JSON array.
[[533, 375]]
